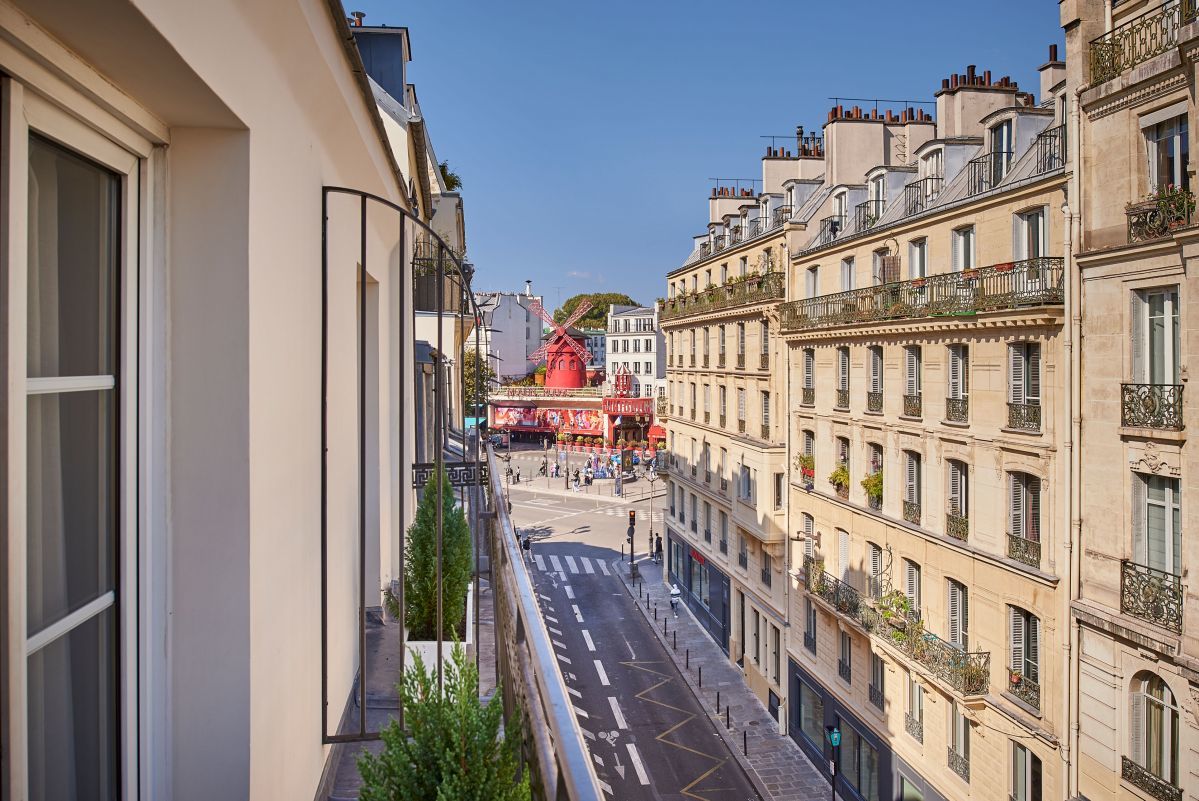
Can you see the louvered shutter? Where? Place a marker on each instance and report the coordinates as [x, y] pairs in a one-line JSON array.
[[964, 368], [1136, 733], [876, 369], [965, 613], [1032, 378], [1016, 505], [955, 489], [843, 553], [1032, 649], [1016, 373], [955, 613], [956, 261], [1016, 628], [913, 371], [1136, 318], [809, 357], [1033, 493], [913, 585], [876, 561], [1140, 545], [955, 371], [913, 479], [843, 368]]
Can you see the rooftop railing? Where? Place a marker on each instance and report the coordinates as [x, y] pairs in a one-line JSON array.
[[780, 216], [987, 171], [919, 195], [868, 213], [830, 228], [753, 289], [1140, 39], [1050, 150], [1031, 282]]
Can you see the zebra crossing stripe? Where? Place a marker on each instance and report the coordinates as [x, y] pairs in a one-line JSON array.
[[603, 567], [540, 562], [570, 563], [556, 563], [587, 564]]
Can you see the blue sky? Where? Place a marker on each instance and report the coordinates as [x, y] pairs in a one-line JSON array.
[[586, 133]]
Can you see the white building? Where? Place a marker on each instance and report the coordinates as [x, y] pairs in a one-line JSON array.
[[596, 340], [636, 343], [509, 332]]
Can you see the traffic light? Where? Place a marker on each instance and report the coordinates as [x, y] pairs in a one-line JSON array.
[[632, 518]]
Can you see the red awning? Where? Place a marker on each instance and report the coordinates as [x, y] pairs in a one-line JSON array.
[[657, 432]]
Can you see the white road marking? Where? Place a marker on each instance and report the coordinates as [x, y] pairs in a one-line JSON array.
[[632, 653], [551, 619], [543, 597], [587, 639], [575, 693], [599, 668], [556, 563], [607, 788], [587, 734], [540, 562], [554, 630], [569, 592], [578, 614], [586, 564], [581, 713], [564, 659], [637, 766], [603, 567], [560, 644], [570, 563], [616, 713], [599, 760]]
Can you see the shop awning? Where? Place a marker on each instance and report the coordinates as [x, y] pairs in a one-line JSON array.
[[657, 432]]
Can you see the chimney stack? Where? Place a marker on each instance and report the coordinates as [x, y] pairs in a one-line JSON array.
[[528, 288], [358, 17]]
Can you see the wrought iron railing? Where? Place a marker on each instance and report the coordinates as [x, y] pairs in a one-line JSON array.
[[705, 360], [740, 426], [1169, 209], [1147, 780], [1151, 406], [920, 195], [1024, 416], [914, 726], [808, 396], [844, 670], [740, 361], [1024, 688], [1152, 595], [724, 546], [875, 502], [809, 641], [874, 401], [912, 405], [842, 399], [957, 526], [723, 420], [876, 696], [765, 577], [1025, 550], [724, 484], [754, 289], [766, 431], [911, 511], [707, 417], [957, 410], [720, 361], [707, 535], [1050, 150], [764, 361], [1031, 282], [1139, 39], [830, 228], [735, 235], [867, 214], [959, 764], [841, 596], [743, 559], [692, 360], [987, 171], [719, 243], [780, 216]]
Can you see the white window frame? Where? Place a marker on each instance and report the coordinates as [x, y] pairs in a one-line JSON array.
[[959, 372], [918, 258], [1024, 373], [1031, 234], [963, 251], [1023, 760], [1158, 550], [1141, 700], [1168, 133], [847, 273], [1148, 366]]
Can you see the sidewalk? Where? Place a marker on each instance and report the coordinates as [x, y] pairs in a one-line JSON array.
[[775, 765], [601, 489]]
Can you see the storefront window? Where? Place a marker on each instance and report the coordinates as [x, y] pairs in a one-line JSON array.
[[859, 763], [811, 714], [699, 581]]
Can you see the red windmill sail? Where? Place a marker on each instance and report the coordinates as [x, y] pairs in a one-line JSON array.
[[560, 332]]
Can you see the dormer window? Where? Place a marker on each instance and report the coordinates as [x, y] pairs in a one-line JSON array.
[[839, 204], [878, 188], [932, 165], [1001, 149]]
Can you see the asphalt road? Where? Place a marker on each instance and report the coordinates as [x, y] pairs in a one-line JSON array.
[[648, 736]]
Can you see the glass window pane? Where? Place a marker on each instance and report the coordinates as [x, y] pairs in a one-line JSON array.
[[73, 726], [73, 249], [72, 503]]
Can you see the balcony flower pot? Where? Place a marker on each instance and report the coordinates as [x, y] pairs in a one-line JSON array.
[[969, 275], [1006, 267], [1014, 677], [873, 484], [918, 282]]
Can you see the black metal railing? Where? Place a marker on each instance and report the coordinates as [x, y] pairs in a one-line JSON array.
[[707, 535], [1011, 285], [724, 546], [738, 292], [1147, 780], [707, 417], [723, 420], [735, 235], [1024, 416], [830, 228], [720, 361], [911, 511], [957, 410], [766, 431], [875, 502], [1024, 550], [809, 641], [920, 195], [740, 361], [987, 171], [719, 243], [740, 426], [705, 360], [1050, 149], [780, 216], [842, 399], [808, 396], [1152, 595], [743, 560], [1138, 40], [959, 764], [1151, 406], [1169, 209], [876, 696], [1024, 688], [692, 360], [867, 214], [912, 405], [765, 576], [957, 526], [764, 361], [724, 482], [874, 401], [845, 670], [914, 726]]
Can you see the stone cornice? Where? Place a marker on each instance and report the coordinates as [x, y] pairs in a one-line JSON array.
[[1042, 316], [1135, 95]]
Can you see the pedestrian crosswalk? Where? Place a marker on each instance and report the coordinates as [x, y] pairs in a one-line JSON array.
[[575, 566]]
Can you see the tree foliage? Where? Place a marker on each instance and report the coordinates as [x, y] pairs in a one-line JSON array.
[[597, 315], [420, 564], [453, 750], [477, 377], [452, 181]]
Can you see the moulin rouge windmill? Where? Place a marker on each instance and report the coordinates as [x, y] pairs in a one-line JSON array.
[[566, 358]]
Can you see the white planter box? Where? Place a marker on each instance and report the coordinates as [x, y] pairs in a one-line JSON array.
[[428, 648]]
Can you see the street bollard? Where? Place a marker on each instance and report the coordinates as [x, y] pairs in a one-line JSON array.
[[701, 676], [656, 615], [745, 741], [718, 702], [726, 717], [676, 639], [688, 657]]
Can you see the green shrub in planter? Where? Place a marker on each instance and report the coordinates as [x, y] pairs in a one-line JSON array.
[[453, 749], [420, 564]]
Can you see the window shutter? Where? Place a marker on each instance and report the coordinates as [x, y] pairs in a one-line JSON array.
[[955, 612], [955, 371], [843, 367], [1136, 729], [913, 370], [876, 370], [956, 262], [1140, 545], [876, 561], [909, 574], [965, 613], [1136, 318], [964, 368], [1033, 377], [843, 553], [912, 478], [1017, 639], [1016, 376], [1033, 493], [1016, 507], [955, 489], [1032, 649], [809, 357]]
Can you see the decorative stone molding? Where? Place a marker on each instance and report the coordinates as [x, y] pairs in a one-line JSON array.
[[1137, 96], [1151, 459]]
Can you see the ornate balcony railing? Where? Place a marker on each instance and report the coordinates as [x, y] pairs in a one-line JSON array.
[[719, 243], [1050, 150], [867, 214], [1024, 688], [842, 399], [911, 512], [912, 406], [724, 485], [692, 360], [808, 396], [754, 289], [987, 171], [766, 431], [764, 361], [957, 410], [705, 360], [1022, 549], [876, 696], [1152, 595], [707, 417], [740, 361], [959, 764], [694, 526], [1151, 406], [844, 670], [780, 216], [914, 726], [1024, 416], [1139, 39], [723, 420], [743, 559], [830, 228], [735, 235], [720, 361], [707, 535], [842, 597], [1169, 209], [842, 492], [874, 401], [957, 526], [919, 195], [1148, 781], [740, 426], [1012, 285], [765, 577], [809, 641], [875, 502]]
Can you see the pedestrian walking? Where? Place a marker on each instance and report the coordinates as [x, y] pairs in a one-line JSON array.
[[658, 549], [518, 475]]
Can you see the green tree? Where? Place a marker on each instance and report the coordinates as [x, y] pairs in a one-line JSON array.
[[597, 315], [478, 377], [420, 564], [453, 750], [452, 181]]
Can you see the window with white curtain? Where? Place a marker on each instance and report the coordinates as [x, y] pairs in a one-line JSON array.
[[847, 278], [1030, 234], [1026, 774], [918, 258], [1157, 522], [1168, 149], [963, 248], [1155, 336], [1153, 730]]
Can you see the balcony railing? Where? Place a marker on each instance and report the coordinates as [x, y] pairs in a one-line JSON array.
[[912, 405], [1022, 549], [959, 764], [740, 361], [764, 361], [1169, 209], [705, 360], [720, 361], [808, 396], [842, 399], [844, 670], [723, 420], [957, 410], [1138, 40], [1024, 416], [753, 289], [1012, 285], [766, 431], [724, 546], [724, 485], [719, 243], [1051, 150], [740, 426], [1148, 781], [911, 512], [876, 696], [1152, 595], [874, 401], [867, 214], [830, 228], [914, 726], [920, 195], [987, 171], [780, 216], [809, 641], [743, 560], [692, 360], [1024, 688], [875, 502], [765, 577], [957, 526], [1151, 406]]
